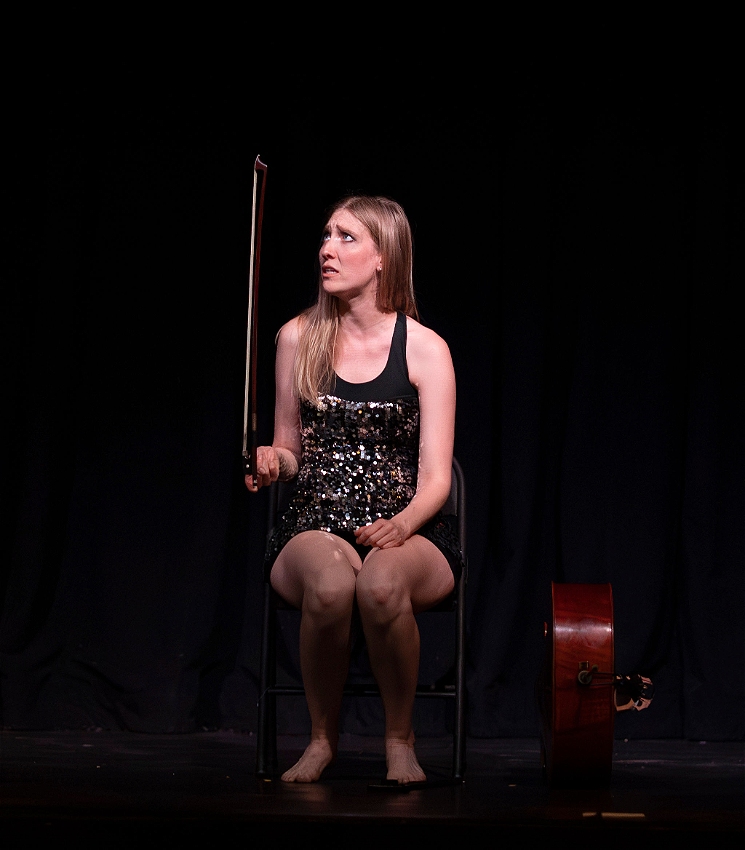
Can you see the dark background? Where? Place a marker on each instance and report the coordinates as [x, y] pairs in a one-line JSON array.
[[578, 243]]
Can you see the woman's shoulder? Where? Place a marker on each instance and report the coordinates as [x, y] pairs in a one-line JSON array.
[[427, 355], [289, 332], [422, 339]]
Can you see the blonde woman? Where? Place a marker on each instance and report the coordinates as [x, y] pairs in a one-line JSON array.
[[364, 421]]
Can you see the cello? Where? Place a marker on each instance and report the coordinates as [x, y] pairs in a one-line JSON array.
[[579, 693]]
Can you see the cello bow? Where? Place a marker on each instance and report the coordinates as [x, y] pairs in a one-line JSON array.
[[250, 416]]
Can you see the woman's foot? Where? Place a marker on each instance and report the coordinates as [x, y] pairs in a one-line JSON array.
[[309, 767], [403, 765]]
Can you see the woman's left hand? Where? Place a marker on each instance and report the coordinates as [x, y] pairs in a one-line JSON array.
[[383, 534]]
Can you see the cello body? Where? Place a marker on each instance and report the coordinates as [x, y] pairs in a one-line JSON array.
[[576, 693]]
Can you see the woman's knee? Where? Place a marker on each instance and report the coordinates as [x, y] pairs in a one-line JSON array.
[[329, 594], [380, 587], [316, 572]]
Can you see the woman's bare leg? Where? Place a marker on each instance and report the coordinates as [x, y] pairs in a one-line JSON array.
[[394, 585], [316, 573]]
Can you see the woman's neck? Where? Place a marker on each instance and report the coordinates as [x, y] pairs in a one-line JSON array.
[[365, 323]]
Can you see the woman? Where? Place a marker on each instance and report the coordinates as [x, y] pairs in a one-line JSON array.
[[364, 419]]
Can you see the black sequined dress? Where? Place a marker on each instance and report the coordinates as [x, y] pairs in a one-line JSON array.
[[360, 449]]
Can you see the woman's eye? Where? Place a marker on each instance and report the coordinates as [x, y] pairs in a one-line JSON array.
[[343, 237]]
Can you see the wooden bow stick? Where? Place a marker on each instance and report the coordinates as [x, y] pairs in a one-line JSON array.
[[250, 424]]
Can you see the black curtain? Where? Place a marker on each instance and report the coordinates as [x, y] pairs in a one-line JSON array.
[[578, 243]]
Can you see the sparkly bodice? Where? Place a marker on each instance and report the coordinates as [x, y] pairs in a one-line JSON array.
[[359, 464]]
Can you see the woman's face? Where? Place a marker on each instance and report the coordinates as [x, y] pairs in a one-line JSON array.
[[350, 259]]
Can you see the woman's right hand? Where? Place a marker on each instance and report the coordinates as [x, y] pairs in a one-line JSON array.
[[267, 469]]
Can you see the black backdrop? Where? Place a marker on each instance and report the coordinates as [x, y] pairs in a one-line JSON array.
[[578, 241]]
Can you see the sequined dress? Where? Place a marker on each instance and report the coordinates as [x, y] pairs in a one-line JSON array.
[[359, 460]]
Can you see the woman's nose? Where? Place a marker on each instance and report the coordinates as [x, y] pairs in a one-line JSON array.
[[327, 248]]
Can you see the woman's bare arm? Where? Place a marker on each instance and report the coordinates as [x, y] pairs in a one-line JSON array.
[[281, 460]]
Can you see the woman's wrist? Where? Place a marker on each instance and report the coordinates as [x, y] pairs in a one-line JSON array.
[[288, 465]]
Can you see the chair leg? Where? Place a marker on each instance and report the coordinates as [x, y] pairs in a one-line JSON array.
[[266, 736], [459, 741]]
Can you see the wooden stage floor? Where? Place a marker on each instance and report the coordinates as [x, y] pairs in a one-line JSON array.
[[119, 789]]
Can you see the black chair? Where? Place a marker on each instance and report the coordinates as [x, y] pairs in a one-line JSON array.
[[451, 687]]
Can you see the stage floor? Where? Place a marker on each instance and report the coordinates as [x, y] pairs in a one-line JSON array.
[[119, 789]]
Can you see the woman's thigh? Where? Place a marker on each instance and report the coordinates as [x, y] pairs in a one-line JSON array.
[[416, 571]]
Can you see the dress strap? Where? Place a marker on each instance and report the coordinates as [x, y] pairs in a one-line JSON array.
[[392, 383]]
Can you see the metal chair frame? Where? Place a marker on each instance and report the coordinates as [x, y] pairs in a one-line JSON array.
[[448, 689]]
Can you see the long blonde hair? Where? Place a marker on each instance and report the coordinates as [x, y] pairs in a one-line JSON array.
[[319, 324]]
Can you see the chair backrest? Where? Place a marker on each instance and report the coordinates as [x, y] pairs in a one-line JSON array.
[[456, 502], [456, 506]]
